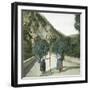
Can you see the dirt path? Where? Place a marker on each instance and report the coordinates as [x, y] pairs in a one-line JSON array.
[[71, 66]]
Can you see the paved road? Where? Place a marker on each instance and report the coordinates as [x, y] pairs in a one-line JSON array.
[[71, 66]]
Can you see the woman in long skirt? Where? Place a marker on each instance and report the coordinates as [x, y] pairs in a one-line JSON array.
[[43, 66]]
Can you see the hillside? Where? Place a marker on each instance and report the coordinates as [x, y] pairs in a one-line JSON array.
[[36, 26]]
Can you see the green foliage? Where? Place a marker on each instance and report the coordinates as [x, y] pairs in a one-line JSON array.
[[40, 48], [75, 42], [73, 47], [41, 20], [58, 43], [27, 50], [27, 45], [77, 22], [58, 46]]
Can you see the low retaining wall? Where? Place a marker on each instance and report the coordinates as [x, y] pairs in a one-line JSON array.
[[27, 65]]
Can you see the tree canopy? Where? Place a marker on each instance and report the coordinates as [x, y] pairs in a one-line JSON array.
[[73, 46], [40, 48], [58, 46], [77, 22]]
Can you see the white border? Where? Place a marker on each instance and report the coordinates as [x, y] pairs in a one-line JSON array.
[[82, 36]]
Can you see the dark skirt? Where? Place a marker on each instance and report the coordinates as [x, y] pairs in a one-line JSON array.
[[42, 67]]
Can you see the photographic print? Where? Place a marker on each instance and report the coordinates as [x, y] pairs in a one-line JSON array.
[[50, 45]]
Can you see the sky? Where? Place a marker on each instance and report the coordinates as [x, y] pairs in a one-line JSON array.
[[63, 23]]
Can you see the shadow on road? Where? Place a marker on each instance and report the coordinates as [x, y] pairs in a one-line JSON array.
[[77, 63], [47, 73], [66, 68]]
